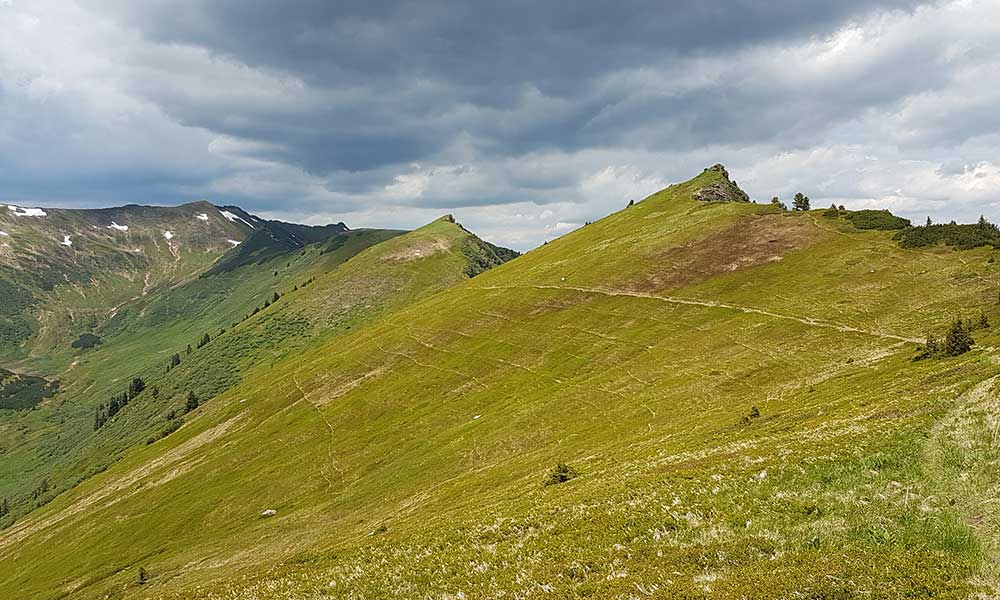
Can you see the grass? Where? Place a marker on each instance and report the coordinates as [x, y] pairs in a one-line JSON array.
[[143, 313], [406, 456]]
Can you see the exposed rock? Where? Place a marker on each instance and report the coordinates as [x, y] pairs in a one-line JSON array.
[[721, 191]]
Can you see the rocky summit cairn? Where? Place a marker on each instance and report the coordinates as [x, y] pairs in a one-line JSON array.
[[725, 190]]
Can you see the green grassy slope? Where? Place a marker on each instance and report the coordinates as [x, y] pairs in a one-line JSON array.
[[145, 297], [57, 441], [406, 458], [361, 280], [70, 271]]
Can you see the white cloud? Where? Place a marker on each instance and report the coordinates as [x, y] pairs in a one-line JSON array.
[[893, 109]]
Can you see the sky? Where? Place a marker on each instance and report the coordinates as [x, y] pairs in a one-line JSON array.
[[524, 119]]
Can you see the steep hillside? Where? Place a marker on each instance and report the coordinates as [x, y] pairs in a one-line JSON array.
[[729, 390], [361, 279], [66, 272], [216, 327], [115, 305]]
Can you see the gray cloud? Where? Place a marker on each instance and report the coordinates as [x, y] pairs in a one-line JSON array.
[[531, 116]]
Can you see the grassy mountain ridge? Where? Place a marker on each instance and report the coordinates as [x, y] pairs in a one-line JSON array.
[[732, 384], [57, 446], [139, 294], [73, 269]]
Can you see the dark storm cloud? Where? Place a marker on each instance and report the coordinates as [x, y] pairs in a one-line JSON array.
[[420, 74], [532, 116]]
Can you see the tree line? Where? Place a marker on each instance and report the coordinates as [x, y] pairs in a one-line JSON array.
[[956, 341], [103, 412]]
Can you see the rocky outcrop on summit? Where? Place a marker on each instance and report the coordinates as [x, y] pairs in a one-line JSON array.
[[723, 190]]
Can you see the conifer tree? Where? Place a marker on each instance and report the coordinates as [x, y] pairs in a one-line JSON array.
[[192, 402], [136, 387], [800, 202], [957, 340]]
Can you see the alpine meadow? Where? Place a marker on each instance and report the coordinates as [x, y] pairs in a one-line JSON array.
[[455, 301]]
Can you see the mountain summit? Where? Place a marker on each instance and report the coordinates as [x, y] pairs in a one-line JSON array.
[[719, 187]]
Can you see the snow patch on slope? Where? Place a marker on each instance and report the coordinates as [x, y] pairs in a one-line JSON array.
[[26, 212], [202, 217], [66, 241], [168, 234], [118, 227], [4, 234], [234, 218], [233, 242]]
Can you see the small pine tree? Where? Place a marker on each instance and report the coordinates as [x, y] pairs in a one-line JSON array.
[[957, 340], [928, 222], [631, 202], [754, 412], [175, 360], [930, 348], [192, 402], [4, 508], [135, 387], [143, 576], [188, 350], [984, 322], [275, 297], [778, 203], [832, 211], [205, 339], [841, 207], [801, 202]]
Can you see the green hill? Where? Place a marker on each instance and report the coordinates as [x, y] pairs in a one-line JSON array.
[[690, 398], [51, 441]]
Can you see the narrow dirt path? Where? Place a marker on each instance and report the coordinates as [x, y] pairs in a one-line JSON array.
[[963, 457], [329, 426], [714, 304]]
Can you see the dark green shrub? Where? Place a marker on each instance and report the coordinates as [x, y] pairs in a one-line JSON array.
[[876, 219], [561, 473], [22, 392], [962, 237], [87, 340]]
